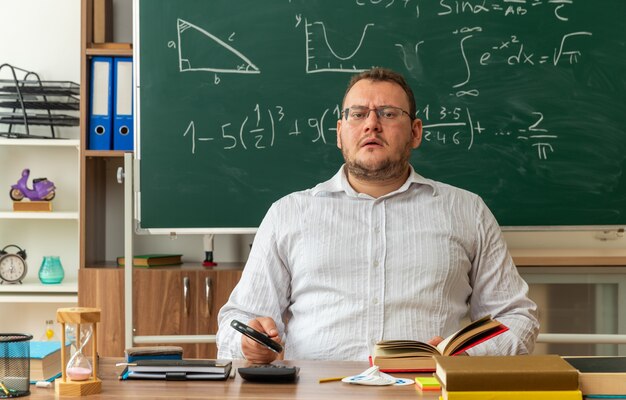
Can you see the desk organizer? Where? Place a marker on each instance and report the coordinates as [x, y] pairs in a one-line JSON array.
[[14, 365]]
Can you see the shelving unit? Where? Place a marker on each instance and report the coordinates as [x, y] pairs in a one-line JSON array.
[[99, 197], [42, 233], [97, 166]]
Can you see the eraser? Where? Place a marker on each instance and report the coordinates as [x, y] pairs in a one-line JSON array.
[[43, 384]]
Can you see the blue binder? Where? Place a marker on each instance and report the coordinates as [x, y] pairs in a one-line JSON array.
[[123, 104], [100, 114]]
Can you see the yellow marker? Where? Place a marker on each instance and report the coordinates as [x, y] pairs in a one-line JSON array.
[[4, 388], [333, 379]]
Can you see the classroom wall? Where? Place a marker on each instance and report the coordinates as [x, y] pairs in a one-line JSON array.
[[43, 37]]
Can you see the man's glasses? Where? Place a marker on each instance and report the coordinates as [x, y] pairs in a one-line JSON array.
[[386, 113]]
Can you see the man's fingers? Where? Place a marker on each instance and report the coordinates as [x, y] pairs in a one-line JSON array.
[[436, 340], [256, 352], [265, 325]]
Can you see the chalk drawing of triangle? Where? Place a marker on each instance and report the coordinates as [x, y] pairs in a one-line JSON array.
[[199, 50]]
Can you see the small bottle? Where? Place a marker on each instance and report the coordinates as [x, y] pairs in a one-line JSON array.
[[48, 333]]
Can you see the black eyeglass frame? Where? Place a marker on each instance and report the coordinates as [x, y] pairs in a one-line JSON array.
[[377, 110]]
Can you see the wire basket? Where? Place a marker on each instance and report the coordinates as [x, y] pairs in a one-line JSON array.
[[14, 365]]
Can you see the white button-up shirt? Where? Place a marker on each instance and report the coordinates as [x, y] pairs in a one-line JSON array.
[[339, 271]]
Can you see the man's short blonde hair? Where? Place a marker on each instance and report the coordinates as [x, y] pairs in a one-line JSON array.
[[378, 74]]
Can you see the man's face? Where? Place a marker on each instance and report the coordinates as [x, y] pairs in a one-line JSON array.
[[376, 148]]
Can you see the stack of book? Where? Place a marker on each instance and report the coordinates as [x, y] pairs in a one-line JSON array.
[[178, 370], [415, 356], [153, 353], [507, 377], [45, 360], [153, 260], [601, 377]]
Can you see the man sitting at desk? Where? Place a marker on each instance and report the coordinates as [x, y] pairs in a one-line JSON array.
[[376, 252]]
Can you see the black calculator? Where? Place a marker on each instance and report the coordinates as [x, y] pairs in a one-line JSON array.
[[269, 373]]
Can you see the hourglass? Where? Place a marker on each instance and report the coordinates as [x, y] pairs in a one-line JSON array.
[[79, 377]]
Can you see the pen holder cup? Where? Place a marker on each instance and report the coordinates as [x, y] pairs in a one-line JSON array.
[[14, 365]]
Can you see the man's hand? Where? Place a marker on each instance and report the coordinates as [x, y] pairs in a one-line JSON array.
[[435, 341], [255, 352]]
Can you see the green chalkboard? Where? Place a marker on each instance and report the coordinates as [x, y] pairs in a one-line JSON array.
[[523, 102]]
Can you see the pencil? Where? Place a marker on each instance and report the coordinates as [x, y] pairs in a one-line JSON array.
[[332, 379], [4, 389]]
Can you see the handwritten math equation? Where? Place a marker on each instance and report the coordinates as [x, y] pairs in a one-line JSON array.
[[510, 51], [266, 127], [453, 7], [457, 127]]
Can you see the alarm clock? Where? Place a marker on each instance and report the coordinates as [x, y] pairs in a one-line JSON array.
[[13, 266]]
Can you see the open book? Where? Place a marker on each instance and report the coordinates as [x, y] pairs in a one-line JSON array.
[[411, 355]]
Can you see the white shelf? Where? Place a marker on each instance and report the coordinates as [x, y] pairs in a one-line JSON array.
[[33, 291], [33, 285], [71, 215], [40, 298], [40, 142]]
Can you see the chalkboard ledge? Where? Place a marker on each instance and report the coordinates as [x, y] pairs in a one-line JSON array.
[[568, 257]]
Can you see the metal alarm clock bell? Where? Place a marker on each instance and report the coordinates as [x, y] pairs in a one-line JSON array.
[[13, 266]]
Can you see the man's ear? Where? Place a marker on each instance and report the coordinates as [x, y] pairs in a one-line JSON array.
[[339, 133], [416, 132]]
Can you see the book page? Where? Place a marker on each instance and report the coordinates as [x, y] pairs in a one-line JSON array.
[[404, 348], [450, 344]]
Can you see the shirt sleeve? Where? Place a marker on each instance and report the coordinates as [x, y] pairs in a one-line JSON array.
[[499, 290], [262, 291]]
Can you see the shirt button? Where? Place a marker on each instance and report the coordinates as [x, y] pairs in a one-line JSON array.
[[376, 263], [375, 301], [377, 230]]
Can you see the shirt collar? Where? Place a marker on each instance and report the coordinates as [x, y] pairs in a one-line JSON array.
[[339, 183]]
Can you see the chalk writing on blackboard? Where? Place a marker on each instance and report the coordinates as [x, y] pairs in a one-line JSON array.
[[265, 128], [320, 55], [476, 47], [222, 58], [451, 7]]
